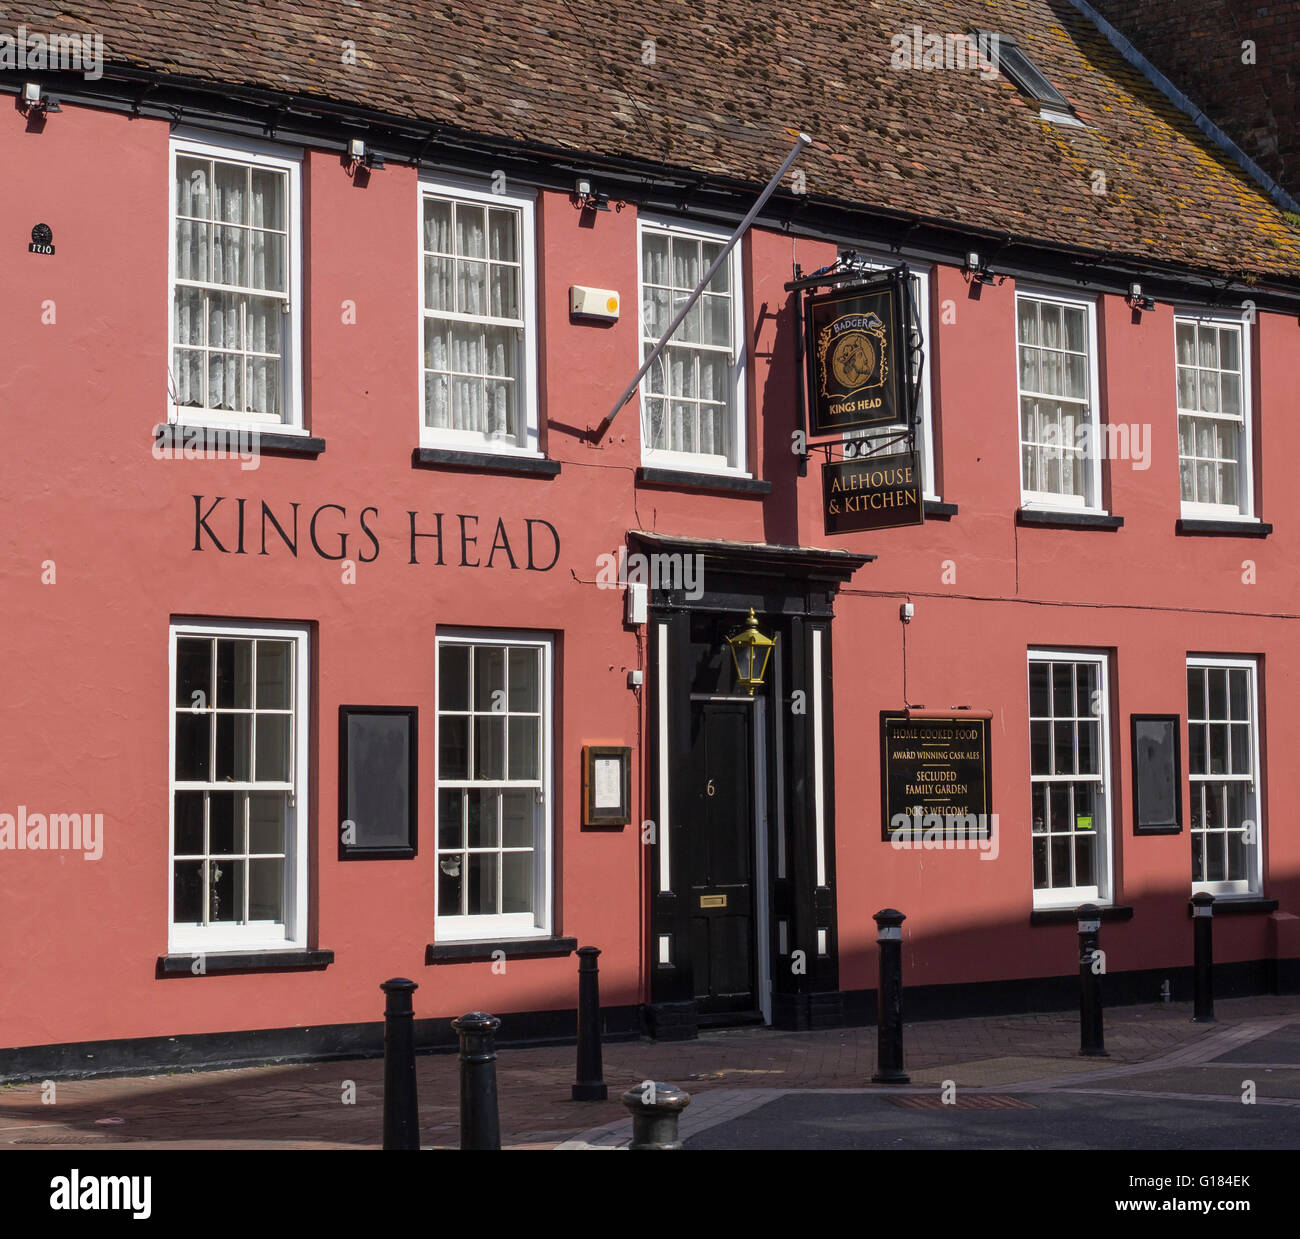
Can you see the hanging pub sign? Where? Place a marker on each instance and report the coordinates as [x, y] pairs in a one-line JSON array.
[[934, 773], [872, 492], [858, 357]]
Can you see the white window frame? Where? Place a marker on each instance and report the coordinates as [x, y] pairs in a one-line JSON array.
[[466, 190], [268, 155], [1103, 894], [492, 926], [1245, 511], [186, 939], [1253, 885], [922, 273], [698, 462], [1046, 500]]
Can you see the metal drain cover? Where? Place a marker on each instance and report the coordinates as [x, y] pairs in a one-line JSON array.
[[976, 1101]]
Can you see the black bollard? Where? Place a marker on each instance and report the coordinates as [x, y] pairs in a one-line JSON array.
[[591, 1083], [401, 1112], [1203, 957], [656, 1109], [480, 1125], [889, 999], [1091, 1036]]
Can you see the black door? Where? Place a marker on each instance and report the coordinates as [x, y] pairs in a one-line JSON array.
[[719, 856]]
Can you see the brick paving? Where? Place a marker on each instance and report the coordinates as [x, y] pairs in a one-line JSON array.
[[307, 1106]]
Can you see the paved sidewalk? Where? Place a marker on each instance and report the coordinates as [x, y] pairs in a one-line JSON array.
[[339, 1104]]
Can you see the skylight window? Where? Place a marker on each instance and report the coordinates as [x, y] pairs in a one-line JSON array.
[[1027, 78]]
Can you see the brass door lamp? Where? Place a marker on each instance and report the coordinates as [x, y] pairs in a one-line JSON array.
[[750, 651]]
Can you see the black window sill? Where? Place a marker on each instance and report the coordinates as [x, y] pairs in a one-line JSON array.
[[937, 511], [243, 961], [180, 435], [682, 480], [484, 462], [514, 948], [1070, 916], [1223, 529], [1067, 520], [1251, 906]]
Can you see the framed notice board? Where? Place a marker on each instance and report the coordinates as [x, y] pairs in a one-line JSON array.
[[377, 782], [1157, 774], [606, 785]]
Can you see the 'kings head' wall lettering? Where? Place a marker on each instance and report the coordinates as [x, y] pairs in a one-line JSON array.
[[241, 527]]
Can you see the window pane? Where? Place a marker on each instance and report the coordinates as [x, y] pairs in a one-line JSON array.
[[266, 890], [470, 233], [234, 748], [268, 819], [1195, 692], [1076, 329], [226, 890], [438, 275], [525, 680], [453, 747], [517, 818], [274, 674], [1218, 682], [483, 870], [187, 829], [187, 892], [1027, 320], [1063, 759], [453, 676], [517, 882], [503, 226], [225, 823], [451, 825], [1239, 693], [489, 746], [194, 672], [1039, 702], [273, 763], [451, 882], [1063, 690], [489, 677], [193, 741], [234, 674], [525, 757], [654, 258], [437, 226], [484, 823], [1197, 749]]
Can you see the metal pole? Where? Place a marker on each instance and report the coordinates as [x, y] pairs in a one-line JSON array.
[[656, 1109], [480, 1125], [1203, 957], [889, 999], [800, 142], [1091, 1037], [401, 1111], [591, 1083]]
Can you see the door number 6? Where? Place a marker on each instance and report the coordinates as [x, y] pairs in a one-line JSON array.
[[709, 790]]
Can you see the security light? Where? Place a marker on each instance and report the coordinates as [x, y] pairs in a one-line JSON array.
[[1137, 300], [35, 103]]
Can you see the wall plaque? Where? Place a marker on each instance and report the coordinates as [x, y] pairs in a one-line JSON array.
[[934, 766]]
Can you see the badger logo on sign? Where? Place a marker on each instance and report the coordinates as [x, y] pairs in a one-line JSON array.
[[851, 355]]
